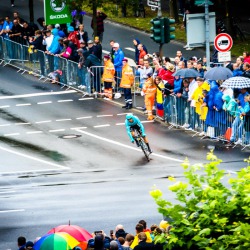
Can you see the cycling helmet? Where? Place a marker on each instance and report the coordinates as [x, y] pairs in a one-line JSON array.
[[129, 116]]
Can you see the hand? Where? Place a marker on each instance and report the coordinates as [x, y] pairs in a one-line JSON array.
[[133, 141]]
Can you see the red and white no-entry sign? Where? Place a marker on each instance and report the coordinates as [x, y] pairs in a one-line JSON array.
[[223, 42]]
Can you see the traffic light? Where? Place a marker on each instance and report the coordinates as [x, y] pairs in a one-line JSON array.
[[168, 29], [157, 30]]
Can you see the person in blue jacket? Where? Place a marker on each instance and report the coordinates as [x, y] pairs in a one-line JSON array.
[[53, 49], [133, 123], [118, 57]]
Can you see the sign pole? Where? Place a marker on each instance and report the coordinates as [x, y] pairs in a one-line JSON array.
[[159, 15], [207, 34]]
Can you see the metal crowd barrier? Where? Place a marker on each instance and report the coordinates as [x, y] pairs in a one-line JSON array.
[[96, 84], [13, 52], [1, 50], [48, 67], [216, 124]]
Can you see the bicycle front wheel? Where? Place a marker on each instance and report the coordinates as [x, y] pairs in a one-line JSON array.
[[145, 149]]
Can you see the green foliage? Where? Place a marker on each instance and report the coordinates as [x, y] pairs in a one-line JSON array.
[[209, 215]]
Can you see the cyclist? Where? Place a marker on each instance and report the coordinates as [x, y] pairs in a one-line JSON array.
[[133, 123]]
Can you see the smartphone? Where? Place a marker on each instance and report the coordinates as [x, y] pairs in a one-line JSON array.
[[98, 232], [111, 232]]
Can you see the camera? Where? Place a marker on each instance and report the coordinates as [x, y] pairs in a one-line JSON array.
[[97, 232], [111, 232]]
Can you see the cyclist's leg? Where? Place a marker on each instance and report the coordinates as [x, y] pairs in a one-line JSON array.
[[147, 143]]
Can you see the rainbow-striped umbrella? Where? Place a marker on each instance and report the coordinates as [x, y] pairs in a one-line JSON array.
[[75, 231], [56, 241]]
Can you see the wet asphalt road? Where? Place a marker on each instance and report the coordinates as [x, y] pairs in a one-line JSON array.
[[96, 180]]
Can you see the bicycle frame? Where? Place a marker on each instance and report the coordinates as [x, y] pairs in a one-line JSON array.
[[142, 143]]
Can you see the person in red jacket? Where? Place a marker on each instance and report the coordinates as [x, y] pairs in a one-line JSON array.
[[142, 52], [246, 56], [100, 17]]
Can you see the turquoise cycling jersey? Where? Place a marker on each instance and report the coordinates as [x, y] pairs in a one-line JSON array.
[[135, 122]]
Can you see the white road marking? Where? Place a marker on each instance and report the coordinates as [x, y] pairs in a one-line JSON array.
[[131, 62], [105, 51], [43, 122], [34, 132], [131, 49], [100, 126], [12, 211], [38, 94], [33, 158], [5, 125], [7, 192], [119, 124], [6, 106], [22, 123], [69, 100], [23, 104], [62, 120], [56, 130], [126, 146], [147, 121], [122, 114], [84, 117], [231, 172], [11, 134], [87, 98], [48, 102], [103, 116], [78, 128]]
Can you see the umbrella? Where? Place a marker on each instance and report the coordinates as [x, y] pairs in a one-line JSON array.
[[75, 231], [186, 73], [56, 241], [236, 82], [218, 73]]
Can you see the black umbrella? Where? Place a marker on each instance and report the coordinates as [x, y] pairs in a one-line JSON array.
[[186, 73]]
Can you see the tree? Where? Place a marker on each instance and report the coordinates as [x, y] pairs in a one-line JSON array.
[[173, 7], [209, 214], [31, 10]]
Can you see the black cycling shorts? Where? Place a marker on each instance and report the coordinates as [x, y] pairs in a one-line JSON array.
[[135, 127]]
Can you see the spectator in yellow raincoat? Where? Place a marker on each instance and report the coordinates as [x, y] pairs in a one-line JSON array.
[[149, 90], [126, 83], [198, 95], [108, 76]]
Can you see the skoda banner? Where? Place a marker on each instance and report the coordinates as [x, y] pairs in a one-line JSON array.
[[56, 12]]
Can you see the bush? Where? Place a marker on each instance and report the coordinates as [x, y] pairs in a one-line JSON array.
[[209, 214]]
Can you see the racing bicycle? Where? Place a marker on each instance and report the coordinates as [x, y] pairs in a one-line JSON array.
[[141, 143]]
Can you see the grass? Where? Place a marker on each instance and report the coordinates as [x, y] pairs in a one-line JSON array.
[[145, 25]]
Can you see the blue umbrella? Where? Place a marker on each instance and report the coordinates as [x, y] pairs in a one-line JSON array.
[[186, 73], [218, 73]]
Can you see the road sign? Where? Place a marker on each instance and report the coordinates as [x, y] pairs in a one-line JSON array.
[[223, 42], [224, 56], [153, 3]]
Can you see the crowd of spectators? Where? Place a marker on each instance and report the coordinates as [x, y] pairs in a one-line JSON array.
[[199, 103], [143, 238]]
